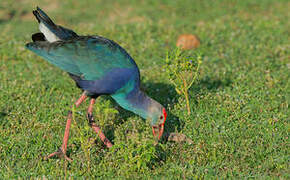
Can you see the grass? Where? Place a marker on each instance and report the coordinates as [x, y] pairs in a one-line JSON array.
[[240, 118]]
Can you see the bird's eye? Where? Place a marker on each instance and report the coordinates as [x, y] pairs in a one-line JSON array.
[[161, 117]]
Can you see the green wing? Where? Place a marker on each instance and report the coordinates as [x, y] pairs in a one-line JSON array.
[[87, 56]]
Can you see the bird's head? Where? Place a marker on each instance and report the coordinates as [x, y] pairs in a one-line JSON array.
[[157, 119]]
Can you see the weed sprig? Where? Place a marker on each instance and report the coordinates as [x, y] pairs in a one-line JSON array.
[[182, 71]]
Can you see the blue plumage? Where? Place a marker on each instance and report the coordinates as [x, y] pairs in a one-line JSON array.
[[90, 57]]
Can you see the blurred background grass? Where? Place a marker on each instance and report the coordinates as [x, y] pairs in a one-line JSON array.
[[240, 119]]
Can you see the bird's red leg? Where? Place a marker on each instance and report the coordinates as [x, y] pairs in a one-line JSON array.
[[94, 126], [62, 150]]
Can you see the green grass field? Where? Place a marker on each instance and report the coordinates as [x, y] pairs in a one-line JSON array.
[[240, 104]]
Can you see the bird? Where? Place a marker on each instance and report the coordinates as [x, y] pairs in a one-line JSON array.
[[98, 66]]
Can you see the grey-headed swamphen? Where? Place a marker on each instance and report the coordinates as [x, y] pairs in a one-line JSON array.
[[99, 66]]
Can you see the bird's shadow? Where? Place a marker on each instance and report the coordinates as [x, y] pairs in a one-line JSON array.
[[208, 84], [2, 115]]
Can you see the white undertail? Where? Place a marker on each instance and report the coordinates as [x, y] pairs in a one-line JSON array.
[[50, 36]]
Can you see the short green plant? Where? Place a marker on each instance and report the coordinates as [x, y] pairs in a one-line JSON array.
[[182, 71]]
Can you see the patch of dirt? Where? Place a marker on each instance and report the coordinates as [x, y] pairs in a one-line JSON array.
[[121, 15], [47, 6], [27, 16], [6, 15], [51, 5]]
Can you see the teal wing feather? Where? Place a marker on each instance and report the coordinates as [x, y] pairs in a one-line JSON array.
[[89, 57]]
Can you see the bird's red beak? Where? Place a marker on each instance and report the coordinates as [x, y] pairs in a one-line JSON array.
[[160, 127]]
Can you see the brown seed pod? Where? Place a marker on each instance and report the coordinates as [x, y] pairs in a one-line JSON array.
[[188, 41]]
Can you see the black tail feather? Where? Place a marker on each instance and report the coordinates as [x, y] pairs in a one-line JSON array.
[[59, 31], [41, 16], [35, 13]]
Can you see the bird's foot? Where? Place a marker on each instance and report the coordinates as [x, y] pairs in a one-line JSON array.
[[58, 153]]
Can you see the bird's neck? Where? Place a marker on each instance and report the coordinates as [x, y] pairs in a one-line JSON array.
[[134, 100]]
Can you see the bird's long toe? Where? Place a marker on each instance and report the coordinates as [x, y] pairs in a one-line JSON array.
[[60, 154]]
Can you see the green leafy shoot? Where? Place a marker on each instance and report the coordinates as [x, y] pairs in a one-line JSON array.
[[182, 71]]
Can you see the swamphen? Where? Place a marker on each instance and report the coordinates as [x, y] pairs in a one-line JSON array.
[[99, 66]]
